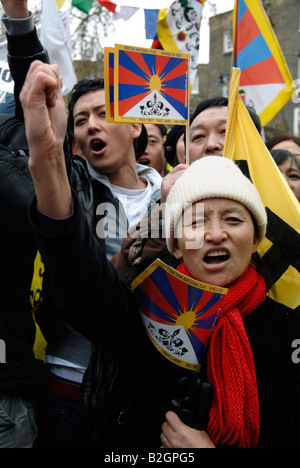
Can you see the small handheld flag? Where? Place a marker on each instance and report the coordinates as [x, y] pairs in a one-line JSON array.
[[146, 86], [150, 86], [178, 312], [109, 64]]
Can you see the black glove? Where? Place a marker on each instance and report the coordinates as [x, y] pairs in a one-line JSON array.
[[192, 400]]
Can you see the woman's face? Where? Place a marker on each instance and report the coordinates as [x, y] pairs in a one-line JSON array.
[[217, 241], [291, 173]]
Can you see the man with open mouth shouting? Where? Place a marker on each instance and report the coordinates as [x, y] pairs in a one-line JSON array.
[[114, 192]]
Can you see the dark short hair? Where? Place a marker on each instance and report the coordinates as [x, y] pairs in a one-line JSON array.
[[271, 142], [255, 118], [79, 89], [88, 85], [221, 101], [162, 128], [280, 156], [173, 136], [218, 101]]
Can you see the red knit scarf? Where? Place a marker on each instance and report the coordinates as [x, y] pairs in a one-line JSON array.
[[234, 417]]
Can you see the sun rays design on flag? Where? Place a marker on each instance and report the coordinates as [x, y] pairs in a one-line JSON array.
[[166, 301], [141, 74]]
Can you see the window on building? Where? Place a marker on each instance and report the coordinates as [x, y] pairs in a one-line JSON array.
[[227, 42], [295, 123], [196, 86]]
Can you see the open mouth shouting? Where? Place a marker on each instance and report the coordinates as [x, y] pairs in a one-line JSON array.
[[216, 259], [143, 161], [97, 146]]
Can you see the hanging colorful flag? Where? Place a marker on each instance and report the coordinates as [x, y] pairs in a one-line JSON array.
[[83, 5], [108, 5], [124, 13], [266, 83], [56, 39], [279, 250], [151, 17], [178, 30], [178, 312], [60, 3], [150, 86]]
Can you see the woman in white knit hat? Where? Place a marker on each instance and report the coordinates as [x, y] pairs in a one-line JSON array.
[[214, 221], [248, 363]]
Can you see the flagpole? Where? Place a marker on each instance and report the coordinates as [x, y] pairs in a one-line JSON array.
[[187, 128], [187, 140]]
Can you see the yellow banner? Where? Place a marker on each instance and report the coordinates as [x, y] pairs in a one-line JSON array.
[[280, 250]]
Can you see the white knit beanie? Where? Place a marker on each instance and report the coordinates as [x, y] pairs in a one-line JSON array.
[[212, 177]]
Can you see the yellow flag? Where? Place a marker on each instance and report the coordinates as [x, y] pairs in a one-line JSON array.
[[60, 3], [36, 300], [280, 250]]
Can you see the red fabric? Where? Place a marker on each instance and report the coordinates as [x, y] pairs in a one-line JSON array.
[[108, 4], [156, 44], [234, 417]]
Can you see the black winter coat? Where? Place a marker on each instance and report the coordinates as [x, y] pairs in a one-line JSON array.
[[103, 309], [21, 373]]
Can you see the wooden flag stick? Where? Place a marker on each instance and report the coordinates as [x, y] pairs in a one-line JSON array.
[[187, 142], [187, 133]]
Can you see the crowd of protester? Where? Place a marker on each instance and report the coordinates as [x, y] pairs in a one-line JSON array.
[[72, 188]]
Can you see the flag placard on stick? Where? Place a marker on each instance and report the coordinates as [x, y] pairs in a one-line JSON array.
[[109, 57], [150, 86], [279, 250], [265, 83], [178, 312]]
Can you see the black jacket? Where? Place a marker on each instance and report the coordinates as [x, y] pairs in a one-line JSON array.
[[102, 308], [18, 250], [21, 373]]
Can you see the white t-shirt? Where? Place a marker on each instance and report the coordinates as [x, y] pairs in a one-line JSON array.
[[135, 202]]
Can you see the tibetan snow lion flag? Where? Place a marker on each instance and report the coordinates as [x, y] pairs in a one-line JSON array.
[[280, 250], [109, 65], [150, 86], [178, 30], [265, 83], [178, 312]]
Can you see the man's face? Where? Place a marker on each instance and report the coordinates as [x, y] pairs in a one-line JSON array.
[[180, 150], [108, 147], [154, 155], [207, 133]]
